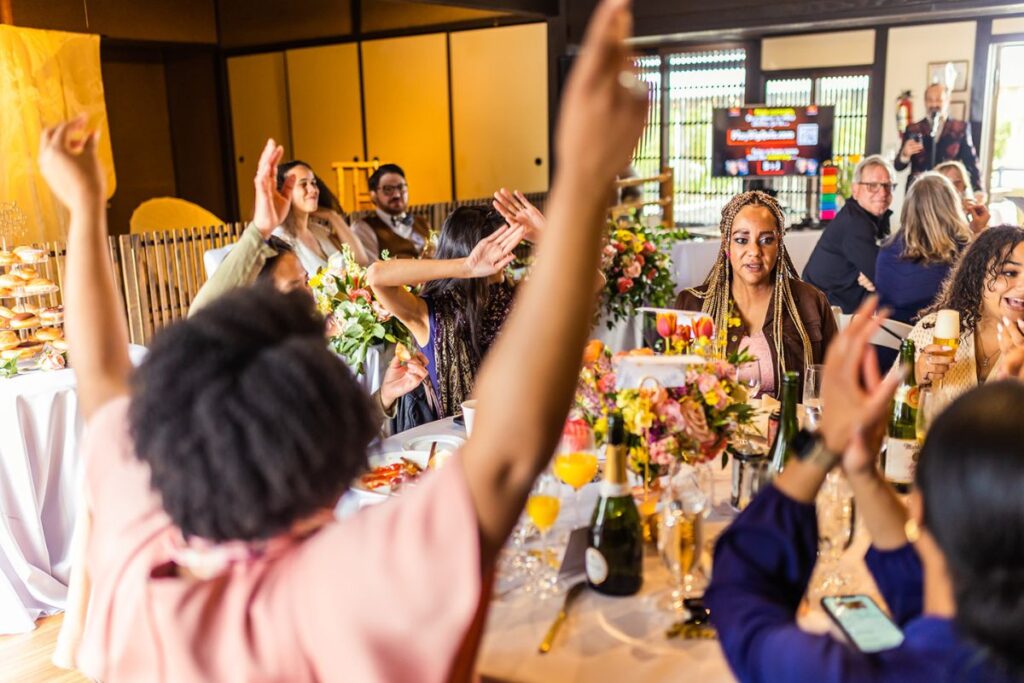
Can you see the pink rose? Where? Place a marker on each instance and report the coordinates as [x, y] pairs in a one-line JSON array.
[[633, 270], [697, 423], [624, 284], [606, 384], [725, 370], [707, 383], [360, 293], [672, 415], [649, 248]]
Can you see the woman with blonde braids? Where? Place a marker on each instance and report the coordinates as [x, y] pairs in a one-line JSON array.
[[753, 291]]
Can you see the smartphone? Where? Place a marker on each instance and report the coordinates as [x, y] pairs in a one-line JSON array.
[[917, 137], [863, 622]]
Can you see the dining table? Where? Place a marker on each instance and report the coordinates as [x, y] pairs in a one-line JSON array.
[[605, 638]]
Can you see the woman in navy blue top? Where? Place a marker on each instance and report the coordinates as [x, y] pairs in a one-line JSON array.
[[912, 264], [957, 592]]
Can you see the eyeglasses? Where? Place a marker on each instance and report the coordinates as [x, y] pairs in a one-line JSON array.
[[388, 190], [875, 188]]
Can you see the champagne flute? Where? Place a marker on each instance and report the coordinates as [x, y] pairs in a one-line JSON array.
[[542, 508], [812, 393], [681, 536], [749, 376], [835, 529], [928, 406], [576, 462]]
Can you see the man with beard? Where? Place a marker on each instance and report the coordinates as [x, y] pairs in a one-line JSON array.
[[391, 228]]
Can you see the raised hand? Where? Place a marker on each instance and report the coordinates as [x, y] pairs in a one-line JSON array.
[[605, 105], [518, 211], [978, 215], [493, 253], [852, 388], [271, 205], [932, 364], [70, 165], [910, 148]]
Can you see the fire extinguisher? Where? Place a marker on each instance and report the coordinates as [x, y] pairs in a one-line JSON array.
[[904, 111]]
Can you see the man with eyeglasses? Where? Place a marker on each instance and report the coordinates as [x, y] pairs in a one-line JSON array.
[[843, 262], [391, 228]]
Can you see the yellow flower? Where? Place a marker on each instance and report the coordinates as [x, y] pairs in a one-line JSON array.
[[623, 235], [735, 322], [601, 429], [638, 454], [638, 246], [316, 282]]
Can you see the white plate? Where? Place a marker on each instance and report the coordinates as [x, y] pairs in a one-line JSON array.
[[422, 443], [383, 459]]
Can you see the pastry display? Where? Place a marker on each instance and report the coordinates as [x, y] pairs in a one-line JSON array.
[[31, 337]]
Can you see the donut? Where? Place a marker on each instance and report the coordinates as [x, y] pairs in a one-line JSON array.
[[54, 315], [11, 281], [22, 321], [8, 340], [7, 258], [39, 285], [25, 272], [44, 334], [26, 308], [30, 254]]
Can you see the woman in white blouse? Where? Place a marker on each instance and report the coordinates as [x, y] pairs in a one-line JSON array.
[[986, 287], [314, 227]]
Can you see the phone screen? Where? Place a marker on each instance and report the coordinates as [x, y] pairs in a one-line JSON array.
[[863, 622]]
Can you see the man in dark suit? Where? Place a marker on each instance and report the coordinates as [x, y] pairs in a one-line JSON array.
[[843, 261], [937, 138]]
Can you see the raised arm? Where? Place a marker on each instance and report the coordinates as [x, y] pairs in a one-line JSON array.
[[96, 327], [526, 384], [389, 279]]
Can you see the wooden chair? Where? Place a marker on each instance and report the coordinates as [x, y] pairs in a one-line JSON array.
[[353, 183], [163, 271]]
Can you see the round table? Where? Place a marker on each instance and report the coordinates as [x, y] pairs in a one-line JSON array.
[[606, 638]]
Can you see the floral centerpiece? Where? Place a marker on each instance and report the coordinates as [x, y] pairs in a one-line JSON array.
[[637, 266], [691, 423], [357, 320]]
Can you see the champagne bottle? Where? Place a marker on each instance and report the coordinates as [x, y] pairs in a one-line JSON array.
[[614, 558], [899, 457], [788, 426]]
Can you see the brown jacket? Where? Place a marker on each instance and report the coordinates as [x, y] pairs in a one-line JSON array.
[[815, 313]]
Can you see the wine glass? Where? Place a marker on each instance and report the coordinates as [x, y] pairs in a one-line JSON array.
[[835, 531], [681, 536], [542, 508], [575, 463], [929, 404], [812, 394], [749, 376]]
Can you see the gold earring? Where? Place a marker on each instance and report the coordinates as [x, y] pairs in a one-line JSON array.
[[912, 531]]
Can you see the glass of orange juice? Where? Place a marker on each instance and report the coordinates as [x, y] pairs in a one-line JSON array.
[[575, 463], [542, 508]]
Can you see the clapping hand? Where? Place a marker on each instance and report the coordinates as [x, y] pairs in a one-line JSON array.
[[852, 388], [493, 253], [70, 165], [272, 205], [518, 211]]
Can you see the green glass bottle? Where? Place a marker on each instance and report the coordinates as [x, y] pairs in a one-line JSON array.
[[899, 457], [782, 447], [614, 558]]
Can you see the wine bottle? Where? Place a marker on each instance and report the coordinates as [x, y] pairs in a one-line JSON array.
[[899, 457], [782, 446], [614, 558]]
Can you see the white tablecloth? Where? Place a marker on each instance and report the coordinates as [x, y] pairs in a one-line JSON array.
[[611, 639], [39, 483]]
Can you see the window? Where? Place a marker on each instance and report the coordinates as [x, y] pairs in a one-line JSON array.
[[1007, 118], [849, 94]]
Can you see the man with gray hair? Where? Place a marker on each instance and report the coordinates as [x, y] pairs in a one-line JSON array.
[[843, 262]]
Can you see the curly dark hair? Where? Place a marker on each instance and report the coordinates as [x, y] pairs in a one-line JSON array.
[[247, 421], [970, 474], [976, 271]]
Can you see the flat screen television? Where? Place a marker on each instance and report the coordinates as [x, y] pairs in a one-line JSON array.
[[759, 142]]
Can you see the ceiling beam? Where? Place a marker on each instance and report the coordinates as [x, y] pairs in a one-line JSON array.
[[536, 8]]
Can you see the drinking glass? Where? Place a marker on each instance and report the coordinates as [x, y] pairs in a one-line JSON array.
[[835, 532], [929, 404], [681, 536], [575, 463], [749, 375], [812, 394], [542, 508]]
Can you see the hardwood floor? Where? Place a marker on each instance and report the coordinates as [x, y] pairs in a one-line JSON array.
[[25, 658]]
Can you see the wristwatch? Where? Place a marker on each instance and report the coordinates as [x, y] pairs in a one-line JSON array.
[[810, 447]]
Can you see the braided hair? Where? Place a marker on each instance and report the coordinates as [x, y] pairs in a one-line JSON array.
[[717, 294]]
